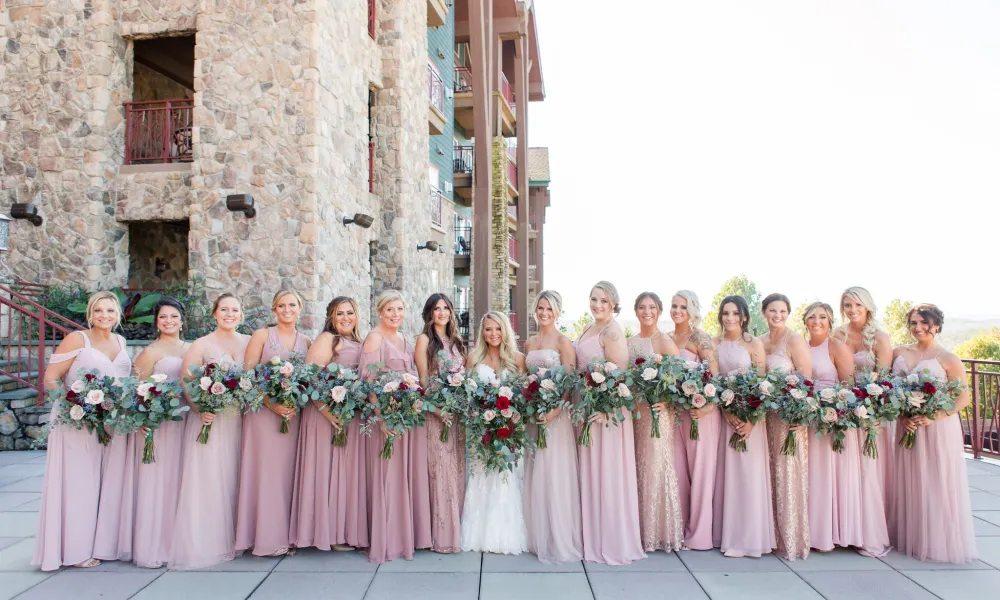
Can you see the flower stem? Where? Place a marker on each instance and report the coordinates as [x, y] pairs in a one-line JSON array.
[[737, 442], [284, 425], [790, 448], [203, 436], [444, 433], [871, 448], [542, 443], [340, 438], [584, 439], [655, 430], [387, 447], [149, 450]]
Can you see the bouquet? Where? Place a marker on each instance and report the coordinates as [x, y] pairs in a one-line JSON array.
[[836, 414], [605, 389], [285, 382], [747, 396], [447, 392], [689, 385], [881, 398], [343, 393], [401, 404], [494, 419], [87, 402], [923, 396], [796, 405], [218, 387], [147, 404], [544, 391], [645, 376]]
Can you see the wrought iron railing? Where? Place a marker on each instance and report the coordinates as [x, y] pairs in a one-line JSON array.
[[158, 131], [463, 79], [512, 247], [436, 89], [436, 206], [507, 91], [464, 159], [981, 419], [463, 237]]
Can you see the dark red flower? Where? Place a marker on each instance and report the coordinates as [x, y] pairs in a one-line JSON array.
[[929, 388], [706, 376], [487, 438], [71, 396], [590, 381], [90, 377], [809, 384], [860, 393], [155, 391], [503, 433], [421, 392], [209, 368], [231, 384], [886, 385], [403, 387], [754, 401], [503, 403], [639, 361]]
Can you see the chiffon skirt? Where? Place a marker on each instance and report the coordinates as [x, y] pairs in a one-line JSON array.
[[835, 493], [552, 495], [157, 491], [747, 517], [115, 511]]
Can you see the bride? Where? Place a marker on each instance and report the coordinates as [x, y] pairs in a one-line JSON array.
[[493, 516]]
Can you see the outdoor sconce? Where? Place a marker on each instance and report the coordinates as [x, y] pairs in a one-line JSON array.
[[429, 245], [241, 203], [161, 266], [29, 212], [360, 219]]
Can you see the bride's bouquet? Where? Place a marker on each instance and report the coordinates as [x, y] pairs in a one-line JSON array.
[[881, 397], [216, 387], [688, 385], [747, 396], [148, 404], [923, 396], [401, 406], [448, 392], [605, 389], [544, 391], [87, 403], [495, 420], [285, 382]]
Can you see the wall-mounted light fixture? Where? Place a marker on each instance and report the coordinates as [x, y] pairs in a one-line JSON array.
[[360, 219], [429, 245], [241, 203], [28, 212], [160, 266]]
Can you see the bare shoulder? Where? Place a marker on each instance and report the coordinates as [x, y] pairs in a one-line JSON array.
[[530, 343], [951, 362], [326, 338], [756, 345], [613, 332], [840, 349], [797, 342], [422, 342], [372, 342], [899, 351], [882, 338], [72, 343], [260, 335]]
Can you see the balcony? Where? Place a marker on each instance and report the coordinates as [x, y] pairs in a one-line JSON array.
[[512, 250], [463, 104], [437, 13], [158, 131], [511, 178], [436, 206], [435, 109], [512, 218], [463, 245], [462, 315], [462, 174]]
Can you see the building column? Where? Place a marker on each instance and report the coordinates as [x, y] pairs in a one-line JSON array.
[[481, 51], [521, 300]]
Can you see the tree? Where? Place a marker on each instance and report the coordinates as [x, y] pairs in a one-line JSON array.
[[739, 285], [795, 319], [985, 345], [628, 332], [579, 325], [895, 322]]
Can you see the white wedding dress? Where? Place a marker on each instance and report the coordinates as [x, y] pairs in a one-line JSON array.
[[493, 516]]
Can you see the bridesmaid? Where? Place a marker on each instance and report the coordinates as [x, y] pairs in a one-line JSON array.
[[71, 492], [390, 504], [609, 495], [661, 524], [747, 517], [872, 352], [267, 462], [834, 478], [787, 353], [330, 496], [445, 460], [696, 460], [551, 477], [205, 526], [932, 513], [158, 483]]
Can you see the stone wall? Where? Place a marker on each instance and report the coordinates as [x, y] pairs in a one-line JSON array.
[[500, 264], [149, 241]]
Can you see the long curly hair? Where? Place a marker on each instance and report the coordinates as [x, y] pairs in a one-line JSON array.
[[864, 298], [508, 343], [451, 329], [331, 325]]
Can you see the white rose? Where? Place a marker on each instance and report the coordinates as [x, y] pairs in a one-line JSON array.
[[217, 388], [690, 364], [912, 378], [727, 397], [797, 394], [916, 399], [598, 377], [246, 384], [455, 379], [698, 401], [390, 387], [649, 374], [765, 388], [532, 378], [792, 380], [159, 377], [410, 380], [610, 367], [827, 394], [843, 393], [709, 390], [874, 389], [287, 369], [276, 360], [489, 415], [506, 392], [76, 413], [657, 358], [204, 383], [548, 384], [623, 391], [95, 397], [861, 411], [689, 388], [507, 413], [338, 393], [78, 386], [143, 389], [542, 371]]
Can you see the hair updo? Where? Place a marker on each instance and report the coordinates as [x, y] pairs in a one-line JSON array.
[[609, 288], [931, 313]]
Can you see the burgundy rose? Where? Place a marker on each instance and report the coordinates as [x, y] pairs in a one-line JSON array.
[[231, 384], [754, 401], [71, 396], [487, 438], [590, 381], [403, 387], [809, 384], [209, 368], [886, 385], [503, 403], [503, 433], [639, 361], [706, 376], [929, 388], [90, 377]]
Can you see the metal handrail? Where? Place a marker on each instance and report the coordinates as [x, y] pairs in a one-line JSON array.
[[981, 418]]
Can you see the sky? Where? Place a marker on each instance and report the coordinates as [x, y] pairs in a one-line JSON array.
[[810, 144]]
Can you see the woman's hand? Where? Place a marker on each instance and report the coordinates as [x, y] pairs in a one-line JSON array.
[[285, 412], [697, 413], [144, 430], [207, 418], [660, 407], [799, 429], [599, 418]]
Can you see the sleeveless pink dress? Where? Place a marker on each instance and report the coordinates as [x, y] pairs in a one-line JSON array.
[[205, 526], [789, 474], [609, 497], [73, 487], [747, 517], [835, 517], [267, 468], [552, 484], [446, 466], [158, 484], [703, 525], [390, 498], [877, 472], [330, 495], [661, 522], [932, 511]]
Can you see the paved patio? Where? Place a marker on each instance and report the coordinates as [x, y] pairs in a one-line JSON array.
[[349, 576]]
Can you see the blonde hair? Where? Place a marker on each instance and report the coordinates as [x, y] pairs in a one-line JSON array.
[[609, 288], [92, 305], [286, 292], [864, 298], [554, 300], [693, 307], [508, 343], [386, 297], [816, 306]]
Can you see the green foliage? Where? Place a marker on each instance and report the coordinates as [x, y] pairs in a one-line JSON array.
[[985, 345], [795, 319], [894, 322], [579, 325], [628, 332], [739, 285]]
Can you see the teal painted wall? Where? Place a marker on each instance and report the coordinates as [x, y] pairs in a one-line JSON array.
[[441, 52]]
